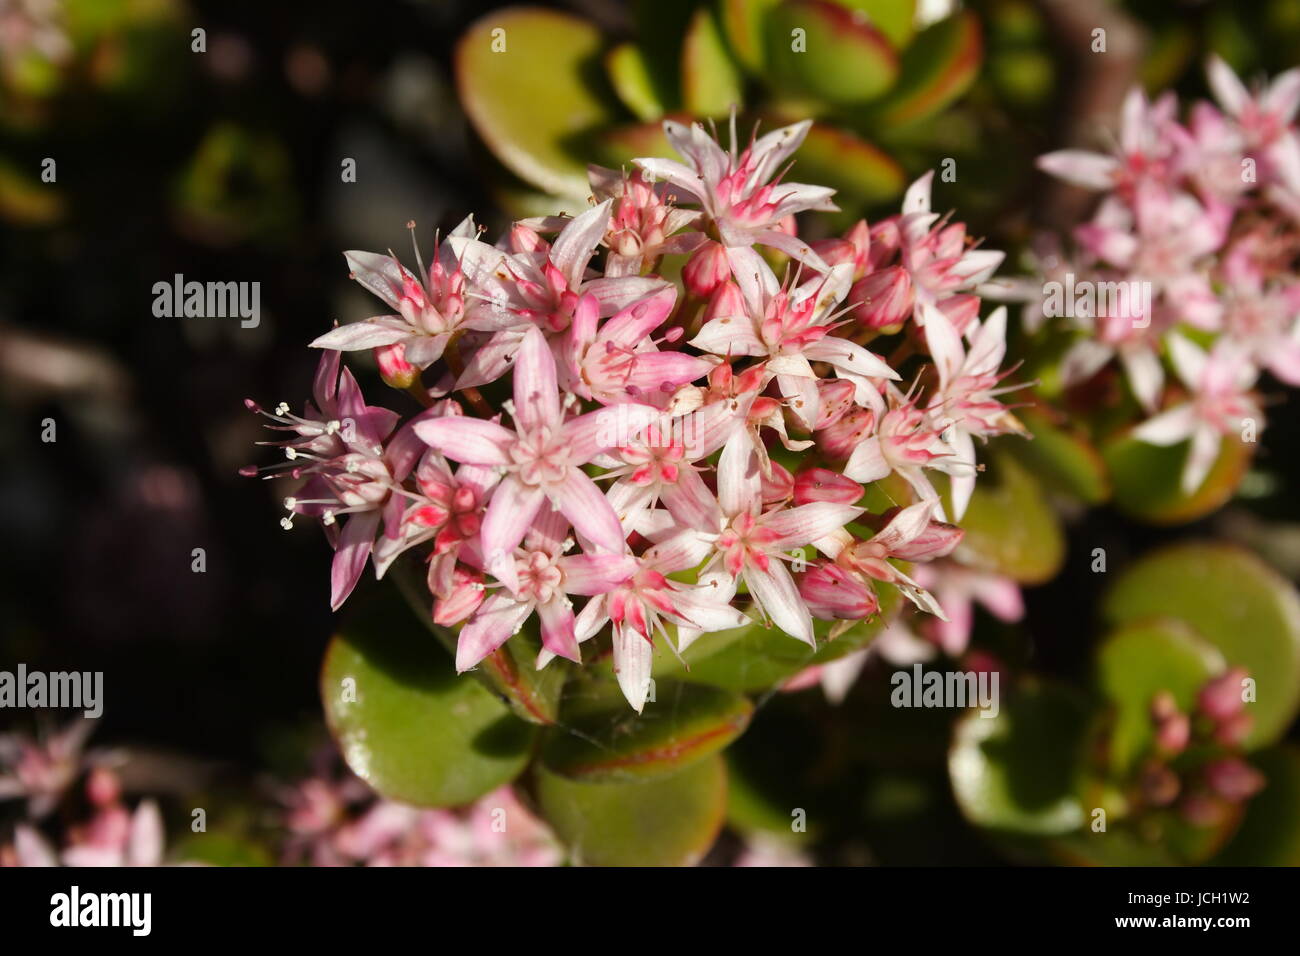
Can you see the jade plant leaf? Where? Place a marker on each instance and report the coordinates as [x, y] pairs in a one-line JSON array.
[[630, 76], [406, 723], [537, 133], [1019, 772], [1238, 604], [821, 49], [602, 739], [1138, 661], [711, 82], [939, 66], [756, 657], [896, 19], [510, 672], [851, 165], [1011, 528], [1062, 459], [665, 820], [1147, 477], [744, 22]]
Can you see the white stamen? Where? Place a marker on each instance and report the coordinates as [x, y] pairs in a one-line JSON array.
[[282, 408], [286, 523], [327, 518], [291, 503]]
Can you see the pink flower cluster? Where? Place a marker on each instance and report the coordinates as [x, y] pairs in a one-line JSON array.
[[681, 458], [342, 823], [1210, 788], [1200, 224], [44, 771]]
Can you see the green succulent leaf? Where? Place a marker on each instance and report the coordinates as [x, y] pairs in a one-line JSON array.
[[935, 70], [666, 820], [1140, 660], [745, 24], [1147, 479], [711, 82], [1019, 772], [838, 158], [1010, 527], [757, 657], [538, 133], [406, 723], [510, 672], [630, 76], [602, 739], [1062, 459], [896, 19], [1235, 602], [821, 49]]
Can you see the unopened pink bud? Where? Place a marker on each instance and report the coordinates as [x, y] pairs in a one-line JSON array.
[[1220, 699], [707, 269], [393, 367], [1233, 779], [1202, 810], [1173, 733], [726, 302], [938, 540], [834, 594], [882, 299], [822, 484]]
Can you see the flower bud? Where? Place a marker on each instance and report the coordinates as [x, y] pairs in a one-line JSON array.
[[882, 299], [834, 594], [707, 268], [1220, 699], [1233, 779], [393, 367], [822, 484]]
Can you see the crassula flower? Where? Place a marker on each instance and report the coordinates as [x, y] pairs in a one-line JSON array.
[[1192, 252], [620, 464]]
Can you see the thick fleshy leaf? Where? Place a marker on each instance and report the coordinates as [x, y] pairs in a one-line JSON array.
[[599, 738], [744, 22], [533, 130], [510, 672], [618, 146], [939, 66], [1018, 772], [835, 157], [630, 76], [711, 83], [756, 657], [1062, 459], [406, 724], [1238, 604], [1010, 527], [822, 49], [896, 19], [1147, 479], [665, 820], [1137, 662]]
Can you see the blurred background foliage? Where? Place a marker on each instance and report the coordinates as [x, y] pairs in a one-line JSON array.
[[225, 164]]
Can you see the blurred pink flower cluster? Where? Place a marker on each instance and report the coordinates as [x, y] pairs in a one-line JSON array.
[[1190, 257], [342, 823], [679, 458], [44, 771], [1218, 779]]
